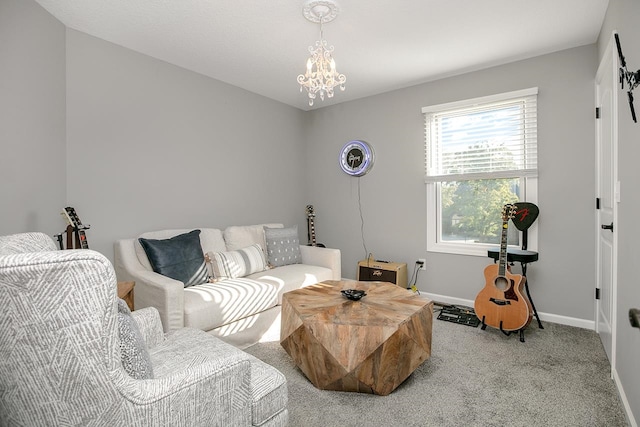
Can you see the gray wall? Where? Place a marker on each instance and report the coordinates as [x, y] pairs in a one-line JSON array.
[[393, 193], [624, 16], [154, 146], [151, 145], [32, 119]]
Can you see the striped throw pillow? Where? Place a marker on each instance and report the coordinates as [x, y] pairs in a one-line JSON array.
[[233, 264]]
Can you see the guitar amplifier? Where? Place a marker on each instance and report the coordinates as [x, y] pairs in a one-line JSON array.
[[383, 271]]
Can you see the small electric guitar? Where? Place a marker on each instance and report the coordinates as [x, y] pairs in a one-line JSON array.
[[311, 227], [73, 220], [501, 303]]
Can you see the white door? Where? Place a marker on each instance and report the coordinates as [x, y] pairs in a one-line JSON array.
[[606, 182]]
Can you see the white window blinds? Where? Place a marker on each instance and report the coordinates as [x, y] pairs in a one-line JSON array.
[[483, 138]]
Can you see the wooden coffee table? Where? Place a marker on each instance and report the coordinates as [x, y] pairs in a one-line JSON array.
[[368, 346]]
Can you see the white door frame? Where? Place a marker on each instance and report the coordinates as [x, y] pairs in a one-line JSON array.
[[609, 59]]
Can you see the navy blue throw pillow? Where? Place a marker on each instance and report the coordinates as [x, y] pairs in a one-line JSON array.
[[179, 257]]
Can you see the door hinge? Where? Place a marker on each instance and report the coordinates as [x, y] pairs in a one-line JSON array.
[[597, 293], [597, 112], [597, 202]]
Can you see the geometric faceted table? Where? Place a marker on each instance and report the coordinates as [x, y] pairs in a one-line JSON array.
[[370, 346]]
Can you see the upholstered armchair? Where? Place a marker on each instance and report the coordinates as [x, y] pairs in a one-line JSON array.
[[62, 353]]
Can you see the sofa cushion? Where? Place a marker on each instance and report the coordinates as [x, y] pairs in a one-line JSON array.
[[294, 276], [211, 305], [232, 264], [133, 352], [240, 236], [179, 257], [267, 387], [283, 246]]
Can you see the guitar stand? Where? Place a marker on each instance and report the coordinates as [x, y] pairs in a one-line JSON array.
[[59, 239], [523, 266], [507, 333]]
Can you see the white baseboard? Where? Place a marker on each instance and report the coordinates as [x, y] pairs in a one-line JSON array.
[[545, 317], [623, 397]]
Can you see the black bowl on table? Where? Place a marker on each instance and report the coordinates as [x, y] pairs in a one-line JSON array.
[[353, 294]]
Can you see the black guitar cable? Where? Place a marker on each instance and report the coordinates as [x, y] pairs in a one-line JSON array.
[[414, 278]]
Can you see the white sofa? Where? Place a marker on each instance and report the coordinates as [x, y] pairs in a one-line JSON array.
[[240, 311]]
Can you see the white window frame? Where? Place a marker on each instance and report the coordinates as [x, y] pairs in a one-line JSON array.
[[528, 181]]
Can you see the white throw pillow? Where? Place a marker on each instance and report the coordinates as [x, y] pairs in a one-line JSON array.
[[240, 236]]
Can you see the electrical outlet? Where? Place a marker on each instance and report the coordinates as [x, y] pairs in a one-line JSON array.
[[422, 263]]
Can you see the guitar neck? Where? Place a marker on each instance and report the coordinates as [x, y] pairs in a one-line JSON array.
[[502, 267], [312, 232]]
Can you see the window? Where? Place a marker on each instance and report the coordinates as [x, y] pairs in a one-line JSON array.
[[480, 154]]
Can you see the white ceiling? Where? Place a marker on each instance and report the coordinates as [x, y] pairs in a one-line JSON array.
[[380, 45]]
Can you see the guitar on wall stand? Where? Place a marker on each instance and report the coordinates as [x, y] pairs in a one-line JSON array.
[[311, 227], [76, 229], [501, 304]]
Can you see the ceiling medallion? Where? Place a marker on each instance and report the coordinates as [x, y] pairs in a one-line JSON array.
[[314, 10]]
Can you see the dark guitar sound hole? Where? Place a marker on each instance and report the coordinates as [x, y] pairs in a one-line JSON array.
[[502, 283]]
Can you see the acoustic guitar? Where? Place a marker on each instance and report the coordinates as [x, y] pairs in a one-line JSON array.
[[501, 304]]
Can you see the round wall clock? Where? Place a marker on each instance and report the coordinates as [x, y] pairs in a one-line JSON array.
[[356, 158]]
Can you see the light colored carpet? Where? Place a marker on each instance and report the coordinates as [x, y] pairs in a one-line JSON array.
[[559, 377]]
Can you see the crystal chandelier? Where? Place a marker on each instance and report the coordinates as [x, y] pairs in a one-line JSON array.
[[320, 76]]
